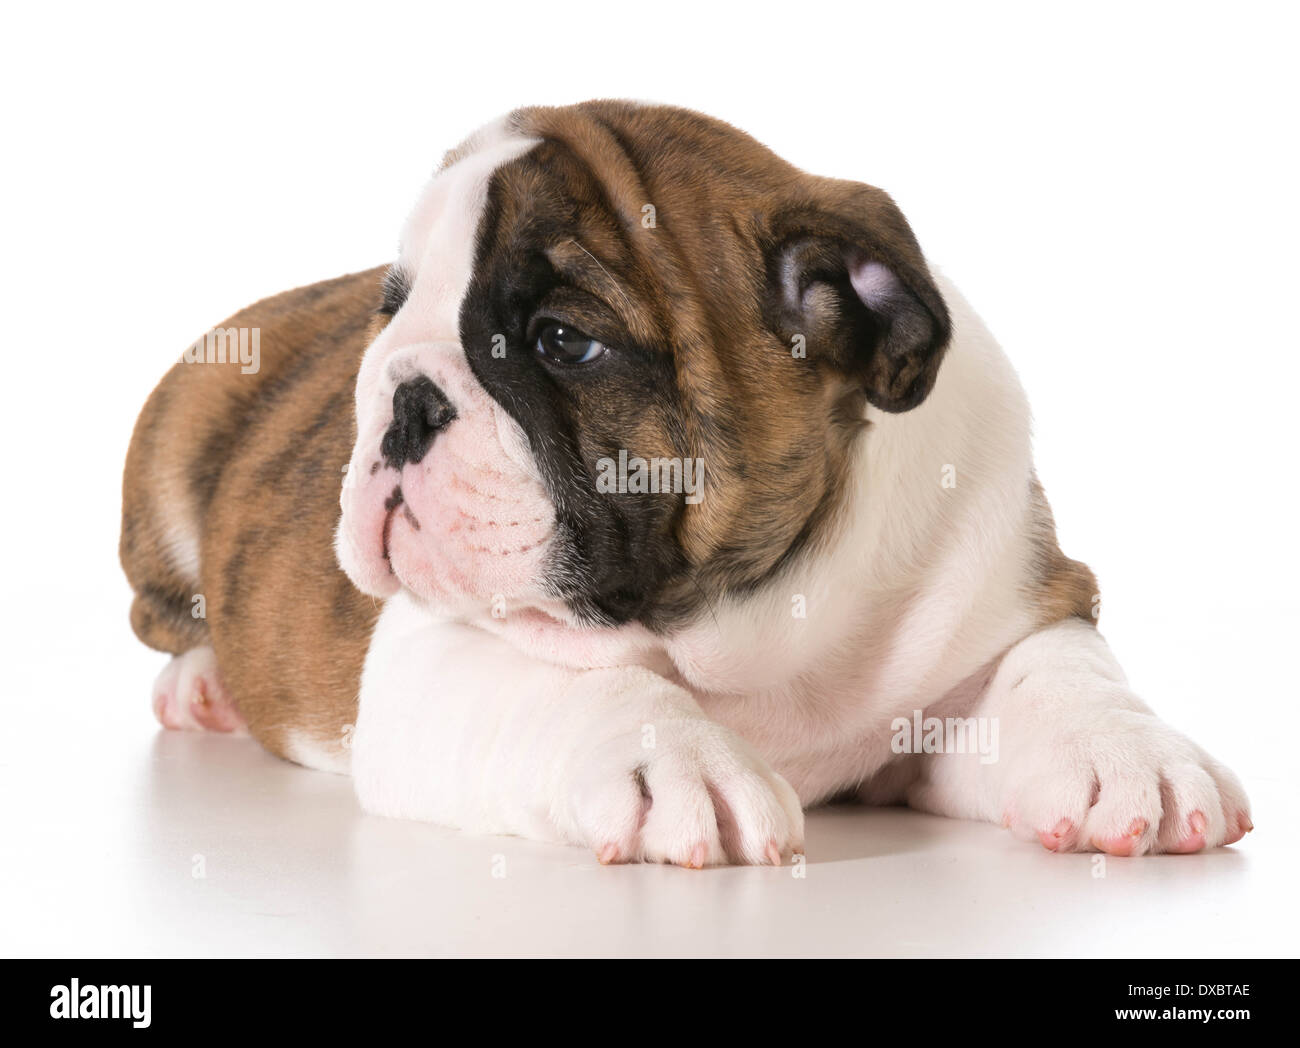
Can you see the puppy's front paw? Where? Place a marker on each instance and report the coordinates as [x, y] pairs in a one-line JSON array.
[[1126, 784], [688, 792]]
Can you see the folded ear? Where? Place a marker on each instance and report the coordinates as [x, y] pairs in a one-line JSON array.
[[847, 274]]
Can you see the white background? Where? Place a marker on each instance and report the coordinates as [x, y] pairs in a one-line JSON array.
[[1113, 187]]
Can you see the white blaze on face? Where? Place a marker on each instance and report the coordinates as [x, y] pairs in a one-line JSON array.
[[472, 523]]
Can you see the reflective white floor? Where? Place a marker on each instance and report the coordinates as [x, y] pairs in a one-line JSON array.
[[177, 844]]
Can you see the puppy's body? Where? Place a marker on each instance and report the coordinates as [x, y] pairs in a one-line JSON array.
[[652, 677], [230, 503]]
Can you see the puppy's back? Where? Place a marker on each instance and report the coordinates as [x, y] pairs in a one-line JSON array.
[[229, 504]]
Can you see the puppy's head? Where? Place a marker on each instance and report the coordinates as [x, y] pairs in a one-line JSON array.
[[626, 352]]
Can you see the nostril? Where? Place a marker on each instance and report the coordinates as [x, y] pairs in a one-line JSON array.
[[420, 411]]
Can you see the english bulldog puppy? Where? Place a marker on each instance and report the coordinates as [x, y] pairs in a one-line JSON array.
[[654, 493]]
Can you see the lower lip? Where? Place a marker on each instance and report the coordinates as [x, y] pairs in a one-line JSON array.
[[388, 531]]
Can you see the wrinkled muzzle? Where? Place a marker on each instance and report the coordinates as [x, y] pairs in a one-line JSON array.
[[442, 495]]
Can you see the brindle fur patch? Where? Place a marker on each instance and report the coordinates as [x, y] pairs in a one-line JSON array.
[[253, 465], [1061, 588], [775, 430]]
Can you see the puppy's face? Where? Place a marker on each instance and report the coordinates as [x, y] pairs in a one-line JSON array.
[[626, 352]]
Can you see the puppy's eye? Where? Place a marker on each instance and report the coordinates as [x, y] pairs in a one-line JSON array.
[[561, 344]]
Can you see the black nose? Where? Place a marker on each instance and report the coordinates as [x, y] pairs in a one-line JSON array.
[[420, 411]]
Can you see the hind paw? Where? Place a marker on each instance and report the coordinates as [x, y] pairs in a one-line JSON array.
[[189, 695]]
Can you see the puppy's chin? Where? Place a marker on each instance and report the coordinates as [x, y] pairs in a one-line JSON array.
[[451, 576]]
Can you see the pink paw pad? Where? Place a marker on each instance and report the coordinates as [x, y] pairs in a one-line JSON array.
[[1058, 836], [164, 708], [1238, 828], [212, 708], [1195, 840], [189, 696], [1124, 845]]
